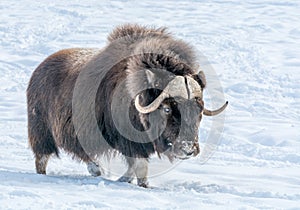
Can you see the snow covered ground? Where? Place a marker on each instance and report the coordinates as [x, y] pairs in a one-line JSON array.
[[254, 48]]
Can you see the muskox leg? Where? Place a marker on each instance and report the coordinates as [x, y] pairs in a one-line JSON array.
[[129, 174], [141, 172], [93, 168], [40, 139], [41, 163], [136, 167]]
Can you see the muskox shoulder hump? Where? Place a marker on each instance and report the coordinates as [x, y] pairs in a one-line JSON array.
[[135, 31]]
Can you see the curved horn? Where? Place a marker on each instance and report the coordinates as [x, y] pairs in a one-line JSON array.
[[176, 87], [215, 112], [151, 107]]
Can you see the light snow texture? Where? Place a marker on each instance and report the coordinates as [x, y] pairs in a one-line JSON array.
[[254, 47]]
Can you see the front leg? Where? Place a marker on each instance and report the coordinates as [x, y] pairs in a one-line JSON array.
[[141, 172], [136, 167], [128, 176]]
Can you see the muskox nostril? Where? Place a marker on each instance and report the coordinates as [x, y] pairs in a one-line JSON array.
[[190, 153]]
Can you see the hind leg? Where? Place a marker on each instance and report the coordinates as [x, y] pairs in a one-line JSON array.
[[41, 163], [43, 149], [41, 141], [42, 152]]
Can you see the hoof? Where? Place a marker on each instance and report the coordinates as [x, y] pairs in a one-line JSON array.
[[142, 182], [93, 169], [125, 179]]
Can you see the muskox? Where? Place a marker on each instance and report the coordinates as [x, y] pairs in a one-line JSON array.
[[140, 95]]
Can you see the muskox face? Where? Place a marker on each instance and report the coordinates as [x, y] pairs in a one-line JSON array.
[[175, 114], [180, 119]]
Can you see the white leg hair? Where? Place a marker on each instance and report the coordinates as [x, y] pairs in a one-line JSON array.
[[141, 172], [128, 176], [136, 167]]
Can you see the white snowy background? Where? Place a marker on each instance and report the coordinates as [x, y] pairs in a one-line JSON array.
[[254, 47]]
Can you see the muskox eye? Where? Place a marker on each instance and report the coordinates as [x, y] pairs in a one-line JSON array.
[[167, 110], [168, 142]]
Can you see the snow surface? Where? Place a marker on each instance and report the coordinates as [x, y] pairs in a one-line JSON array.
[[254, 48]]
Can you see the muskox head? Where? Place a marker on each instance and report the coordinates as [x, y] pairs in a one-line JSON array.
[[176, 113]]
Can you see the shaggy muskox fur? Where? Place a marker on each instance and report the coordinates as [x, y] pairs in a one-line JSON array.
[[140, 56]]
